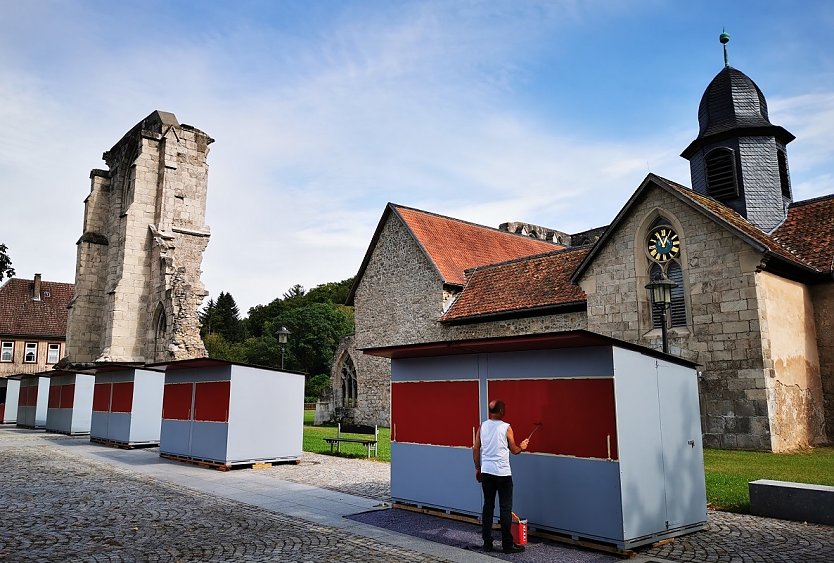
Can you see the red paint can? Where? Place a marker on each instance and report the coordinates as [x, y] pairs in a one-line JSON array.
[[519, 530]]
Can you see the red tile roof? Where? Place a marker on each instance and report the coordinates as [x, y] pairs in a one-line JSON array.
[[455, 246], [20, 315], [526, 284], [809, 232]]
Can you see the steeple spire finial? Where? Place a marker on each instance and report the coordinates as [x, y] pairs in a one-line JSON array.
[[724, 38]]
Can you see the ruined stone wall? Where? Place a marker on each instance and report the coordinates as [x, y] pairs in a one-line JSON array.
[[822, 297], [789, 342], [722, 332], [138, 271]]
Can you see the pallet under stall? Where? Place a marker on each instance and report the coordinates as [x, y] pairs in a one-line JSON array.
[[616, 458]]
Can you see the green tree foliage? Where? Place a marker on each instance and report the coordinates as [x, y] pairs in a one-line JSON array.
[[5, 263], [318, 320], [222, 317], [316, 329], [315, 385]]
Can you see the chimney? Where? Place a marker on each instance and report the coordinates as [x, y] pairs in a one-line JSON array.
[[36, 290]]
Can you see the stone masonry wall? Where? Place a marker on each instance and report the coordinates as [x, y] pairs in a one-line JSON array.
[[138, 270], [722, 332]]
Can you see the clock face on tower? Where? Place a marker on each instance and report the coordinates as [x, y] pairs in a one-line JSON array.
[[663, 244]]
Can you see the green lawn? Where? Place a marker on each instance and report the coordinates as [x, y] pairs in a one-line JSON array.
[[309, 417], [314, 442], [728, 472]]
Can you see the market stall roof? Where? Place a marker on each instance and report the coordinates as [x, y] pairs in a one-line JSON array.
[[210, 362], [546, 341]]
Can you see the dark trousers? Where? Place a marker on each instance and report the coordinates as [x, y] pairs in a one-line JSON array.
[[492, 484]]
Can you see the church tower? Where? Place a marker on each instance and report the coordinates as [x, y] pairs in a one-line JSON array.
[[740, 158], [137, 280]]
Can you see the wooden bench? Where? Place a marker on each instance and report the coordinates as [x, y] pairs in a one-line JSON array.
[[371, 442]]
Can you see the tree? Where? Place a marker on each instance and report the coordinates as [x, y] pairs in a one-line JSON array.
[[332, 292], [316, 329], [229, 325], [295, 292], [5, 263]]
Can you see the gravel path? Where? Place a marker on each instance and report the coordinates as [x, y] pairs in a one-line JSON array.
[[360, 477]]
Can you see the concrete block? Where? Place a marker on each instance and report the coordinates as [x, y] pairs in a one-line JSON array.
[[792, 501]]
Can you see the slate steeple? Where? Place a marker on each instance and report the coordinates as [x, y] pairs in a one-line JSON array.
[[740, 157]]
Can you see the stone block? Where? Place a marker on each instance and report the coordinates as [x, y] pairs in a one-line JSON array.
[[792, 501]]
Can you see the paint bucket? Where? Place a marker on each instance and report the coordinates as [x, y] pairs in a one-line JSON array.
[[519, 530]]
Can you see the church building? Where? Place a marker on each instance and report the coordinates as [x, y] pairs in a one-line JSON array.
[[752, 301]]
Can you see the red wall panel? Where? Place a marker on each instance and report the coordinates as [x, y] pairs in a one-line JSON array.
[[2, 411], [441, 413], [32, 396], [67, 395], [54, 397], [176, 401], [101, 397], [122, 397], [211, 401], [23, 397], [577, 415]]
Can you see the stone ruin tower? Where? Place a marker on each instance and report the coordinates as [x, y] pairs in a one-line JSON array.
[[137, 275]]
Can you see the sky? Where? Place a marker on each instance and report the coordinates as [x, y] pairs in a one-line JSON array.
[[548, 112]]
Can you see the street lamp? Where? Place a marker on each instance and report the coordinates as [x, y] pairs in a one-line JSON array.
[[283, 333], [661, 291]]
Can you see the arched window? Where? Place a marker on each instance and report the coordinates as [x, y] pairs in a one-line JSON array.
[[160, 326], [673, 271], [784, 182], [350, 390], [721, 174], [677, 309]]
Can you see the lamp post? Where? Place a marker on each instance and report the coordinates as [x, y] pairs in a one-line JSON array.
[[661, 292], [282, 333]]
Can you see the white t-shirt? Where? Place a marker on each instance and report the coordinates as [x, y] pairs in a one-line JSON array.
[[495, 453]]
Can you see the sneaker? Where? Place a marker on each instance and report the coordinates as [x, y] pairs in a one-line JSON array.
[[514, 549]]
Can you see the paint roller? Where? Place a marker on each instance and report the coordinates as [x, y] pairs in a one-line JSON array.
[[537, 426]]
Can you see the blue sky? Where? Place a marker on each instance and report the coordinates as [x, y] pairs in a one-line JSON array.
[[547, 112]]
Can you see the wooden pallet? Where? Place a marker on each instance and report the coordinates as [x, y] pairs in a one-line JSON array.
[[121, 445], [544, 534], [220, 466]]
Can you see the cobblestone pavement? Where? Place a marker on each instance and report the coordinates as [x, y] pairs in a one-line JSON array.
[[360, 477], [58, 506], [740, 538]]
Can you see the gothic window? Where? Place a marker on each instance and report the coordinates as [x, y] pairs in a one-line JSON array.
[[673, 270], [721, 174], [784, 182], [160, 326], [349, 385]]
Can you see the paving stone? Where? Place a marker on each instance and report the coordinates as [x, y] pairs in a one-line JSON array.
[[58, 506]]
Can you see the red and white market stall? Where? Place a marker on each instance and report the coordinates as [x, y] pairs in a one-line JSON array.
[[230, 414], [127, 405], [33, 399], [70, 405]]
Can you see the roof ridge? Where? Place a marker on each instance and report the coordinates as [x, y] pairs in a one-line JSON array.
[[566, 250], [812, 200]]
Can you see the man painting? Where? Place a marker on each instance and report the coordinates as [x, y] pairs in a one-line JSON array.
[[491, 453]]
